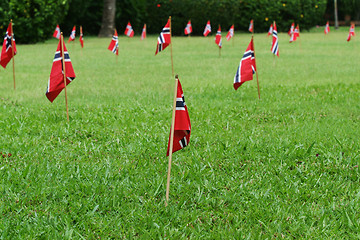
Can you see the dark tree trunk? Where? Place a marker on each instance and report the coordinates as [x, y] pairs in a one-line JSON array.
[[108, 19]]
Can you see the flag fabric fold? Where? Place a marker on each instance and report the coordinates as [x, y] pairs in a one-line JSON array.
[[230, 34], [114, 44], [218, 37], [275, 42], [351, 32], [143, 33], [270, 30], [129, 30], [72, 35], [182, 127], [251, 26], [56, 79], [188, 28], [164, 39], [247, 66], [81, 39], [7, 51], [207, 29], [57, 31], [327, 28]]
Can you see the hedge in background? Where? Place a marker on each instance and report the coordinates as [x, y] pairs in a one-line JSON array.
[[34, 20]]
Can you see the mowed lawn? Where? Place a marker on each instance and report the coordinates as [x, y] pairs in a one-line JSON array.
[[285, 166]]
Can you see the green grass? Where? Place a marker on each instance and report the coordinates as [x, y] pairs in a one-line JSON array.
[[285, 166]]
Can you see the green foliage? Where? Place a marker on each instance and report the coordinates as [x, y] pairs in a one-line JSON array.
[[33, 20]]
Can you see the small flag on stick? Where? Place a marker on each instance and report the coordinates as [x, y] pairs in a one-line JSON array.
[[291, 30], [230, 34], [327, 28], [295, 34], [188, 28], [164, 39], [143, 33], [129, 30], [57, 31], [114, 44], [351, 32], [180, 129], [251, 26], [270, 30], [62, 73], [9, 49], [72, 35], [275, 42], [207, 29], [81, 37]]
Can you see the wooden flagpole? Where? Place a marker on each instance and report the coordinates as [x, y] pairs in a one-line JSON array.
[[171, 141], [257, 77], [64, 70], [12, 50], [172, 123], [171, 51]]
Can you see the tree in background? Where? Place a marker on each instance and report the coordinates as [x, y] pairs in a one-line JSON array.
[[108, 18]]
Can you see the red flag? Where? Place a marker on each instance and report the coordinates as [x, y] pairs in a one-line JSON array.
[[57, 31], [275, 42], [81, 37], [188, 28], [72, 35], [251, 26], [295, 34], [291, 30], [114, 44], [230, 34], [270, 30], [351, 32], [207, 29], [327, 28], [247, 66], [218, 37], [182, 126], [129, 30], [56, 79], [7, 51], [143, 33], [164, 39]]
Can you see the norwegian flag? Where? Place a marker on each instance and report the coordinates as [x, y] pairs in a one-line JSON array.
[[7, 52], [327, 28], [188, 28], [295, 34], [230, 34], [164, 39], [129, 30], [143, 33], [182, 127], [207, 29], [57, 31], [275, 42], [251, 26], [81, 37], [351, 32], [72, 35], [218, 37], [247, 67], [270, 30], [114, 44], [56, 79], [291, 30]]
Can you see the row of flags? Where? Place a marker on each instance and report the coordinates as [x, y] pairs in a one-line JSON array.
[[57, 32]]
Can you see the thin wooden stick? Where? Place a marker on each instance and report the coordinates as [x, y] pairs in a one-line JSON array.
[[257, 77], [63, 63], [13, 53], [171, 51], [171, 141]]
